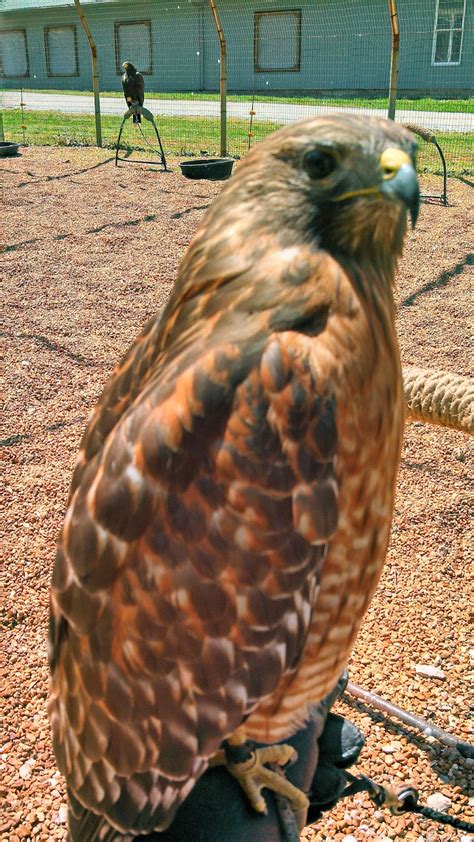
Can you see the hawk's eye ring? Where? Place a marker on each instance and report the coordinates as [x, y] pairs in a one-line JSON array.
[[319, 164]]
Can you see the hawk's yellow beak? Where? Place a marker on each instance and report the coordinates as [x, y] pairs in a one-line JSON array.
[[391, 160], [400, 179]]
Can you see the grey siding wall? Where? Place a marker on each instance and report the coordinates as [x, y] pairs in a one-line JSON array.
[[175, 44], [416, 43], [344, 46], [338, 51]]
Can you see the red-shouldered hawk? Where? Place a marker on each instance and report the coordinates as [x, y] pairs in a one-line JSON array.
[[231, 504], [133, 85]]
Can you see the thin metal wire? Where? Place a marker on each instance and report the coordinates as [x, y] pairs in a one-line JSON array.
[[153, 149]]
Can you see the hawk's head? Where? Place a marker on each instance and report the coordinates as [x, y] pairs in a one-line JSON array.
[[128, 67], [346, 181]]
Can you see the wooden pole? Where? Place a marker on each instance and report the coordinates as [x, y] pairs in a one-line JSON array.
[[222, 77], [95, 72], [392, 99]]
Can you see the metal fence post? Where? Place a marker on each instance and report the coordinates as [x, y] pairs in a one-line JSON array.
[[392, 98], [95, 73], [222, 77]]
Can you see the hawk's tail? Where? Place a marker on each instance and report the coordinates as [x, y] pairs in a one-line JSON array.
[[85, 826]]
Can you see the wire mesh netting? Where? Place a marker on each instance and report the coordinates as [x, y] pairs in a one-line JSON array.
[[282, 64]]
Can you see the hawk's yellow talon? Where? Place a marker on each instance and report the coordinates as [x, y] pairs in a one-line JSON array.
[[253, 776]]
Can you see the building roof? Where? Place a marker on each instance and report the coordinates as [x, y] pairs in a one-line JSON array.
[[31, 5]]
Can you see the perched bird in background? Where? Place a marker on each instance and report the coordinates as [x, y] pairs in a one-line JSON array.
[[231, 503], [133, 88]]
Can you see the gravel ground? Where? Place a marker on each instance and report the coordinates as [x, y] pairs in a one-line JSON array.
[[89, 245]]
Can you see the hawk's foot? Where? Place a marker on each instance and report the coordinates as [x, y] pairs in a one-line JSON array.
[[253, 776], [247, 765]]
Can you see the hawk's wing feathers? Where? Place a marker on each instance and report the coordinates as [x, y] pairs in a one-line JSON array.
[[140, 88], [133, 87], [211, 498]]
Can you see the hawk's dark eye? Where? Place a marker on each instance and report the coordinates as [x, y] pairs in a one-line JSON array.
[[319, 164]]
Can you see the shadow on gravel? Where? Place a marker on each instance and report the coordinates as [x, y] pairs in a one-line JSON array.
[[60, 425], [441, 281], [16, 438], [49, 345], [36, 180], [178, 215], [425, 467], [149, 217], [20, 245]]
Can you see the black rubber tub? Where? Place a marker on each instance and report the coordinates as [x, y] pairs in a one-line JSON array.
[[215, 169], [7, 149]]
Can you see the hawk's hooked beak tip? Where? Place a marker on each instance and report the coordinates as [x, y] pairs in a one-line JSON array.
[[400, 179]]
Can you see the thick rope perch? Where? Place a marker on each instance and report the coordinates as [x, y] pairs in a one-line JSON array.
[[439, 397]]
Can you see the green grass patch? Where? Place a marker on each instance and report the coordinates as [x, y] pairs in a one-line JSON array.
[[196, 135], [463, 106], [457, 150], [179, 135]]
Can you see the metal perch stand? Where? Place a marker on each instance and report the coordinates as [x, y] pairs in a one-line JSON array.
[[429, 136], [418, 722], [139, 109]]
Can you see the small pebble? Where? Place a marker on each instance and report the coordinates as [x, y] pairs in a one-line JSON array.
[[62, 814], [429, 671], [438, 801], [25, 770]]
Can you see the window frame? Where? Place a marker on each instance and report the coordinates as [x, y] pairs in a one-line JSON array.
[[118, 63], [256, 24], [50, 73], [4, 75], [435, 63]]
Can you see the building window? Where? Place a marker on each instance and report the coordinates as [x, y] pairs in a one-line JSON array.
[[13, 53], [60, 43], [133, 43], [277, 41], [448, 32]]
